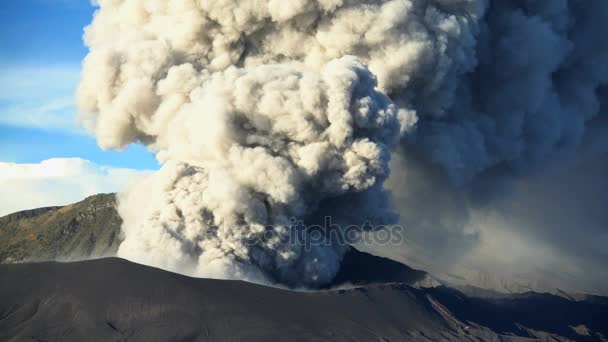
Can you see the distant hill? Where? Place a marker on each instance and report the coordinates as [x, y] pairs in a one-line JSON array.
[[87, 229], [115, 300]]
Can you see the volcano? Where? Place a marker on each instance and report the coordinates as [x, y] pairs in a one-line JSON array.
[[116, 300], [371, 298]]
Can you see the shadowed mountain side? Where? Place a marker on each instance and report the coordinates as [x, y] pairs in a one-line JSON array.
[[360, 268], [113, 299], [541, 312], [90, 228]]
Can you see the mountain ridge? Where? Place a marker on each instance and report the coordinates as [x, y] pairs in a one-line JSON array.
[[83, 230]]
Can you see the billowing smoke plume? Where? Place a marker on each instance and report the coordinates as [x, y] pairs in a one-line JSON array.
[[249, 139], [263, 111], [505, 181], [538, 65]]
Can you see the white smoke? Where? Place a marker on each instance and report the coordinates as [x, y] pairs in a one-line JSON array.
[[266, 110], [249, 138], [251, 149]]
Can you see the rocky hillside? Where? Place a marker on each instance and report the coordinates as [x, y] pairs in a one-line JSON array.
[[87, 229]]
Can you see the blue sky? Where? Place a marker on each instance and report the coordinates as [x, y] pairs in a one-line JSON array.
[[41, 50]]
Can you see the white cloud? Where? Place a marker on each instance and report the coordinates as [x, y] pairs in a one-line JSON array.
[[57, 182]]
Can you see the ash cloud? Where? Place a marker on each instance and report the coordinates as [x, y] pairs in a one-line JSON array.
[[530, 95], [265, 110], [507, 184]]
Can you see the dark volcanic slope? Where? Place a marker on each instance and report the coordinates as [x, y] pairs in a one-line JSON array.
[[114, 300], [360, 268], [86, 229]]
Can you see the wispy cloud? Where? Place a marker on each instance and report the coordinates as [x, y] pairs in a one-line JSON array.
[[19, 83], [40, 97]]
